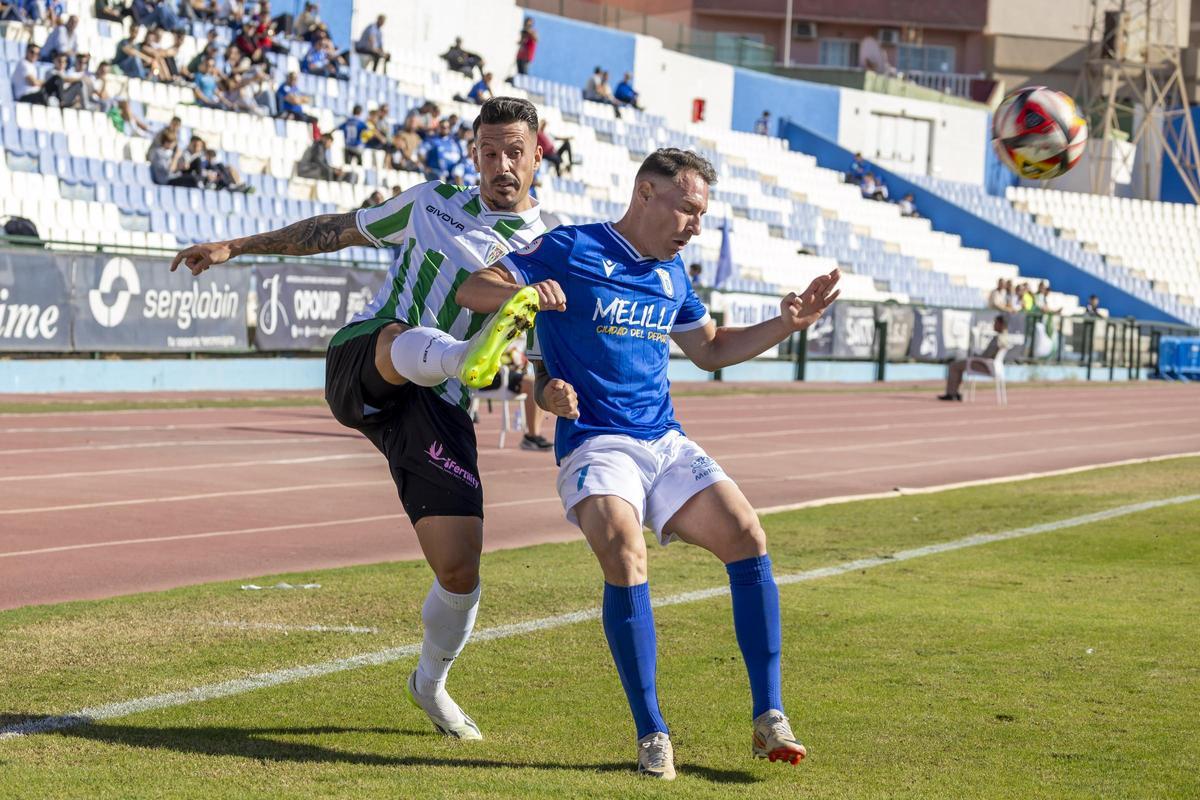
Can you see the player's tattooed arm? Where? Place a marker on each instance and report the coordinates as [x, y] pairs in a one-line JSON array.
[[321, 234]]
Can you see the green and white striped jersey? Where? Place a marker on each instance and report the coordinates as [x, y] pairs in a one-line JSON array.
[[444, 233]]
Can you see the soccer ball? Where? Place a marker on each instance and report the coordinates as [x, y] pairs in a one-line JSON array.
[[1038, 133]]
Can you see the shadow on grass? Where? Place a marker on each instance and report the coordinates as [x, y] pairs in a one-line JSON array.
[[256, 743]]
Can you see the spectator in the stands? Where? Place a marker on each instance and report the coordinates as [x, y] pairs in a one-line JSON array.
[[625, 93], [63, 39], [402, 155], [1041, 300], [598, 91], [129, 57], [111, 10], [464, 172], [384, 121], [141, 12], [289, 102], [247, 43], [315, 163], [165, 162], [308, 24], [695, 271], [426, 117], [370, 44], [352, 131], [1092, 309], [211, 49], [397, 190], [250, 92], [908, 206], [980, 364], [162, 56], [111, 95], [762, 125], [1025, 297], [171, 131], [166, 16], [373, 199], [24, 78], [459, 59], [374, 135], [317, 60], [872, 188], [857, 171], [56, 85], [998, 297], [481, 92], [526, 46], [205, 90], [264, 31], [218, 175], [441, 153], [1010, 295], [553, 154], [409, 136]]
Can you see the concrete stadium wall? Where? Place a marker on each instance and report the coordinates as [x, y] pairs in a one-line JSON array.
[[955, 132], [813, 103], [568, 51], [1004, 246], [669, 81], [487, 27]]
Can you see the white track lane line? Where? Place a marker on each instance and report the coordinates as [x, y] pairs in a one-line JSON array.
[[174, 468], [87, 448], [265, 680]]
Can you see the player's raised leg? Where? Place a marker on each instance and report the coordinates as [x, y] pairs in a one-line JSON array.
[[428, 356], [614, 531], [721, 520]]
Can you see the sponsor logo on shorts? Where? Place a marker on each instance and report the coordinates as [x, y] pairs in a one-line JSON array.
[[703, 466], [449, 465]]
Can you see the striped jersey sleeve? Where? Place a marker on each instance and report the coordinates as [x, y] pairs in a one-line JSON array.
[[386, 224]]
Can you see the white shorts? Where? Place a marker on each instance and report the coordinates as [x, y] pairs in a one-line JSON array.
[[656, 477]]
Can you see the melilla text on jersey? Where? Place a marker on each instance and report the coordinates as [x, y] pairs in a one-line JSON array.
[[638, 320]]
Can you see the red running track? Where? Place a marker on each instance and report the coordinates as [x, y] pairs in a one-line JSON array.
[[98, 504]]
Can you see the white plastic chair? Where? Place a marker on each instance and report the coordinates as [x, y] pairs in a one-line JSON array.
[[513, 419], [997, 376]]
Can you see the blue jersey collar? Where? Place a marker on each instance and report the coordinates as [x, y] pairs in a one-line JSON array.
[[624, 244]]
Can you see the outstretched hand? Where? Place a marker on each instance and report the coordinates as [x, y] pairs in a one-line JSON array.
[[802, 310], [200, 257]]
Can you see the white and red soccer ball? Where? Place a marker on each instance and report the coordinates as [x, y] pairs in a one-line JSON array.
[[1038, 132]]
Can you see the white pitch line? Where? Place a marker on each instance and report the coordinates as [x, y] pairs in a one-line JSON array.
[[185, 426], [174, 468], [84, 448], [276, 626], [264, 680]]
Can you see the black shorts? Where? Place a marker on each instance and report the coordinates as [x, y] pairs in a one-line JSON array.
[[429, 444]]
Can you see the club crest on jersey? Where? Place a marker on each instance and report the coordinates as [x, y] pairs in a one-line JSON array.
[[530, 248], [664, 278], [495, 254]]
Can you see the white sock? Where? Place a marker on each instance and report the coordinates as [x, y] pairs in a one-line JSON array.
[[427, 356], [448, 619]]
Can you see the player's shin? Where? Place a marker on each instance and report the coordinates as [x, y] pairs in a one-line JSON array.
[[449, 619], [757, 626], [629, 627]]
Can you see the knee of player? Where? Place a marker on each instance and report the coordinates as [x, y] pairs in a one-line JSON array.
[[459, 578], [623, 563], [748, 536]]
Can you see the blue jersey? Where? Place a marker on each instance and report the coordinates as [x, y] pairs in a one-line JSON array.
[[613, 341]]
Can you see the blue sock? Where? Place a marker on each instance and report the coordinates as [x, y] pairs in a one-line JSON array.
[[756, 624], [629, 626]]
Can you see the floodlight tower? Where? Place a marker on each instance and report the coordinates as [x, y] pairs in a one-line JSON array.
[[1131, 89]]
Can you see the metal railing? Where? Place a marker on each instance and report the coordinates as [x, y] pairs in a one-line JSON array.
[[955, 83]]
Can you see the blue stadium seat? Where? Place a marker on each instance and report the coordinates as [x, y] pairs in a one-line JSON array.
[[83, 174], [12, 140], [224, 202], [141, 174], [58, 144], [30, 145], [238, 204], [126, 172]]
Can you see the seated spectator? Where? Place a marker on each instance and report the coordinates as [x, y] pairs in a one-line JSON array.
[[384, 121], [441, 153], [61, 85], [370, 44], [108, 92], [873, 189], [63, 39], [165, 164], [625, 93], [762, 125], [352, 131], [212, 174], [402, 155], [464, 172], [481, 92], [980, 364], [211, 49], [397, 190], [24, 78], [1010, 295], [1041, 301], [908, 206], [264, 32], [308, 24], [142, 12], [408, 139], [316, 61], [1092, 309], [166, 16], [695, 270], [171, 130], [598, 91], [289, 101], [373, 199], [460, 60], [591, 89], [247, 43], [205, 90], [552, 154], [111, 10], [162, 56], [374, 135], [858, 169], [315, 163], [998, 299], [129, 57], [426, 116], [526, 46], [249, 92]]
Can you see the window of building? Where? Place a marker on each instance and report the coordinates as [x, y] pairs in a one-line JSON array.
[[925, 58], [839, 53]]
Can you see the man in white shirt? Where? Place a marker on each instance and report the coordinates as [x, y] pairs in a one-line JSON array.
[[981, 364], [371, 44], [25, 81], [62, 39]]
